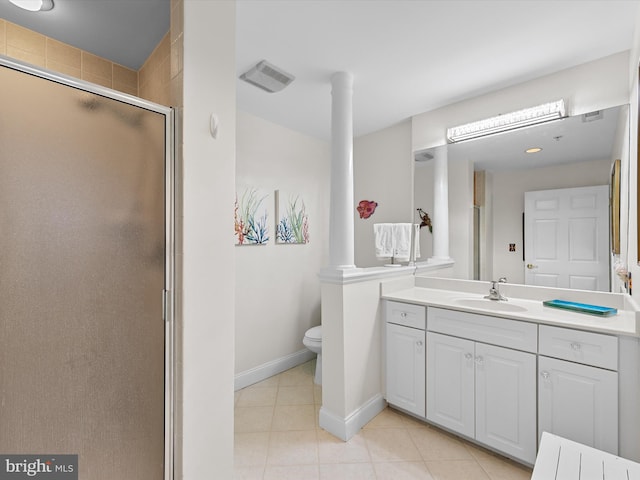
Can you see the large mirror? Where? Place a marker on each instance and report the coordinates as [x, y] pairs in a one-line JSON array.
[[500, 179]]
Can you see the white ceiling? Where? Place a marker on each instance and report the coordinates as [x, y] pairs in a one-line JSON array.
[[407, 56]]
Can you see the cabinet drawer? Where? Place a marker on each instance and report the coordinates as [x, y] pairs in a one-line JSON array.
[[406, 314], [577, 346], [496, 331]]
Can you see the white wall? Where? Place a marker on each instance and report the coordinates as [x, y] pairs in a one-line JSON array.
[[206, 253], [591, 86], [423, 198], [352, 357], [277, 286], [508, 204], [382, 172], [621, 151], [630, 393], [632, 244], [461, 217]]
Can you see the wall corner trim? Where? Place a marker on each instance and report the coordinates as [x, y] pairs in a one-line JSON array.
[[345, 428]]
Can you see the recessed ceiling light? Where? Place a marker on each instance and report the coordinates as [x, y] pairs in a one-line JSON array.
[[533, 150], [34, 5]]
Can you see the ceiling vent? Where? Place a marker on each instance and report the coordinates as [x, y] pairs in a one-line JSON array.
[[592, 116], [423, 156], [268, 77]]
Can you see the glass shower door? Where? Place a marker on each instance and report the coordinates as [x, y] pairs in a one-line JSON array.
[[82, 274]]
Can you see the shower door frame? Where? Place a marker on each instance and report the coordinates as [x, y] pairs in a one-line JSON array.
[[167, 296]]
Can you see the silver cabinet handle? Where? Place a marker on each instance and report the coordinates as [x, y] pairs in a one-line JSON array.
[[468, 356], [419, 343], [403, 314], [479, 360], [545, 375], [575, 346]]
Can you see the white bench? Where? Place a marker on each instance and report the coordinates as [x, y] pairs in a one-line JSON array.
[[562, 459]]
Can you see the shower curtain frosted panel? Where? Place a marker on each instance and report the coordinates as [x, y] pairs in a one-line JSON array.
[[82, 271]]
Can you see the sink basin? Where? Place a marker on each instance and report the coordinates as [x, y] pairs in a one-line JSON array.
[[485, 304]]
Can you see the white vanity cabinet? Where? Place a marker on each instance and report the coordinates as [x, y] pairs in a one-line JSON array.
[[478, 387], [578, 387], [405, 356], [503, 382], [450, 383]]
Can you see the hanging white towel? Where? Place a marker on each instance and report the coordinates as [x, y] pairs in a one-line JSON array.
[[402, 241], [383, 234]]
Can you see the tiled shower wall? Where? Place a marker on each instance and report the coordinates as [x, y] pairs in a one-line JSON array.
[[151, 82], [154, 76]]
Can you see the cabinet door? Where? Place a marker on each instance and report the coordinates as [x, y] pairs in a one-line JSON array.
[[450, 382], [578, 402], [506, 400], [405, 368]]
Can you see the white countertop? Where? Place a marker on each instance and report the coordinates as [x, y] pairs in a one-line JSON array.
[[623, 323]]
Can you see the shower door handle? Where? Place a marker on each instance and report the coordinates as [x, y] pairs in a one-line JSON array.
[[166, 298]]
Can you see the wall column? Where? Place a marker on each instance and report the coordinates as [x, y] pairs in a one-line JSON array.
[[441, 205], [204, 83], [341, 236]]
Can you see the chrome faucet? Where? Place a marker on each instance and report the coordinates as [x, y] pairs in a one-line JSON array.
[[494, 291]]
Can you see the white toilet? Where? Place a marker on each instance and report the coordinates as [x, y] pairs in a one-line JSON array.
[[313, 341]]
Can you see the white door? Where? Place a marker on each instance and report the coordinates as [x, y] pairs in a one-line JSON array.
[[578, 402], [405, 368], [506, 400], [450, 383], [567, 238]]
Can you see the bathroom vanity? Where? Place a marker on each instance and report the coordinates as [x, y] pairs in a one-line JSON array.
[[502, 373]]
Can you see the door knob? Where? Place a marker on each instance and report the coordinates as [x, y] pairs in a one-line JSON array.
[[531, 266]]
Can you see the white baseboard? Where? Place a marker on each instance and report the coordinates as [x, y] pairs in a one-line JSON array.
[[345, 428], [274, 367]]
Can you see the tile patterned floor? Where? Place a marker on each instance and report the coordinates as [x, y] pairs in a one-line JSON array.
[[277, 438]]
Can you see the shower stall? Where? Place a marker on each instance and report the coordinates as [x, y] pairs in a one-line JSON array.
[[86, 275]]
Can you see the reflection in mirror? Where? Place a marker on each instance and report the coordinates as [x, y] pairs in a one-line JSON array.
[[488, 241]]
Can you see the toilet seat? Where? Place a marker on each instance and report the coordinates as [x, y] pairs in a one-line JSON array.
[[313, 341], [314, 334]]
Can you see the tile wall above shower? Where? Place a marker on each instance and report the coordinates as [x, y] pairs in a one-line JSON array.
[[28, 46]]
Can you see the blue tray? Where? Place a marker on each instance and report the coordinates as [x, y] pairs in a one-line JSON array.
[[582, 307]]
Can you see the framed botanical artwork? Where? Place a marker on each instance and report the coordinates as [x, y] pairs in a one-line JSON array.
[[251, 216], [291, 214]]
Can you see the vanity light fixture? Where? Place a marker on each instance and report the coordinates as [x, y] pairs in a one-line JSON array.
[[533, 150], [509, 121], [34, 5]]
